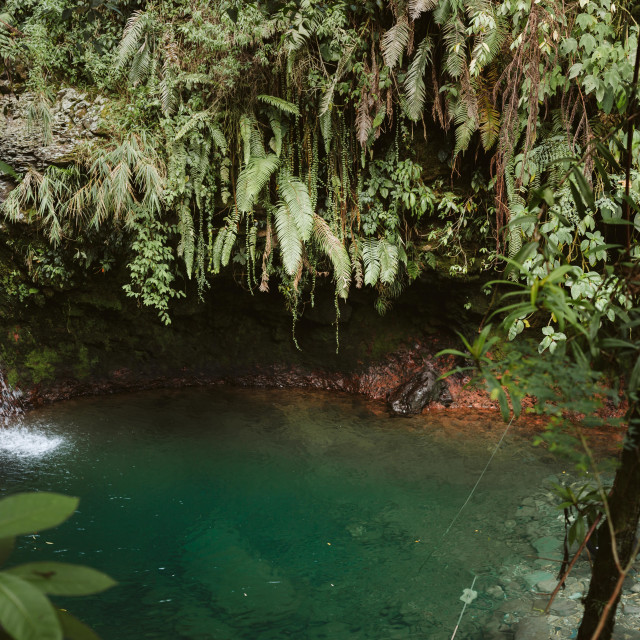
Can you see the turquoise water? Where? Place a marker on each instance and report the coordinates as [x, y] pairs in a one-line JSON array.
[[230, 514]]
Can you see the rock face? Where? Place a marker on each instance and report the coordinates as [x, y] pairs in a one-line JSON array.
[[75, 118], [415, 394]]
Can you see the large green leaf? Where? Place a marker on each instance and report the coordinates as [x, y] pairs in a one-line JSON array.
[[61, 579], [73, 629], [25, 613], [28, 512]]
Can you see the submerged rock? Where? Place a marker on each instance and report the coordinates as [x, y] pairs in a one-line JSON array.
[[415, 394]]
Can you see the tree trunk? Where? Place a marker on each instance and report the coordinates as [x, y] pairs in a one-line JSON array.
[[624, 506]]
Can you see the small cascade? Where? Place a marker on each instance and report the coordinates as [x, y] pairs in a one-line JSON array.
[[11, 402]]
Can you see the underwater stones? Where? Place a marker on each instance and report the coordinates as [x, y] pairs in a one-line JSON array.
[[546, 586], [533, 629], [532, 579], [547, 546], [423, 388], [496, 592]]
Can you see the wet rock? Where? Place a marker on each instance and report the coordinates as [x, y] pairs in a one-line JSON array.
[[548, 546], [496, 592], [631, 609], [563, 607], [413, 396], [546, 586], [532, 579], [533, 629]]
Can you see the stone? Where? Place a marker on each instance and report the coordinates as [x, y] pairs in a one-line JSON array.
[[526, 512], [415, 394], [22, 146], [631, 609], [495, 592], [564, 607], [547, 546], [532, 579], [635, 588], [533, 629], [547, 586]]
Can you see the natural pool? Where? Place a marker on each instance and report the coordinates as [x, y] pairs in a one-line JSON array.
[[230, 514]]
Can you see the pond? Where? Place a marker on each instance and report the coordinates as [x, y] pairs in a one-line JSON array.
[[233, 514]]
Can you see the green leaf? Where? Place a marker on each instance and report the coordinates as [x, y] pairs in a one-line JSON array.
[[28, 512], [62, 579], [73, 629], [25, 613], [6, 548]]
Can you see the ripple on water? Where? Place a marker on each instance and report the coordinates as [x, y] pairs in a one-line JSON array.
[[29, 441]]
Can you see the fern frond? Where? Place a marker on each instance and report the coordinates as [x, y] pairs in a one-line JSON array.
[[218, 137], [332, 247], [131, 37], [288, 238], [356, 264], [371, 260], [186, 246], [363, 120], [252, 180], [278, 103], [394, 41], [417, 7], [455, 40], [326, 128], [389, 261], [414, 86], [191, 123], [295, 195]]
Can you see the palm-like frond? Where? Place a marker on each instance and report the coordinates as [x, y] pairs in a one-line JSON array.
[[417, 7], [278, 103], [332, 247], [389, 261], [455, 42], [288, 238], [394, 41], [253, 178], [363, 120], [131, 37], [296, 196], [414, 86], [371, 260]]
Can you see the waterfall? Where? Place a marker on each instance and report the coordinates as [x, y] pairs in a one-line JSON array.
[[11, 402]]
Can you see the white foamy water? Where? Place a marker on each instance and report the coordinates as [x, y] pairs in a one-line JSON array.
[[28, 442]]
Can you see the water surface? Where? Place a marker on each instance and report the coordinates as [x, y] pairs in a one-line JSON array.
[[230, 514]]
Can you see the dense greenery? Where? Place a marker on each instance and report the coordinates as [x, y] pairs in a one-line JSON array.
[[369, 141]]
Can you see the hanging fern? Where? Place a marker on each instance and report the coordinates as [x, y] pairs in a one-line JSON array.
[[332, 247], [414, 86], [394, 41], [288, 238], [282, 105], [418, 7], [296, 197], [252, 180], [186, 246]]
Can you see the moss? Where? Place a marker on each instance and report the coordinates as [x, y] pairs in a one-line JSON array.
[[41, 364], [84, 364]]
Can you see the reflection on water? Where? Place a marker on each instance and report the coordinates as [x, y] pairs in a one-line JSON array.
[[230, 514]]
